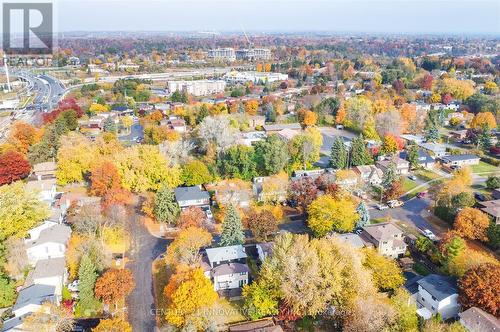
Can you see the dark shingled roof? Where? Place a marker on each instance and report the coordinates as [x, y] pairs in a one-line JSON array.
[[439, 286], [459, 157], [190, 193], [230, 268]]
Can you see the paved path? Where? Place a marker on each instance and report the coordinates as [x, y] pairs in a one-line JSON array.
[[145, 248]]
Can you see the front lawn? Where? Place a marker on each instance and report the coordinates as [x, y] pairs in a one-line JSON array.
[[426, 175], [409, 185], [484, 168]]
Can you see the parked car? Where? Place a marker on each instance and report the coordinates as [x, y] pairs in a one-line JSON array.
[[421, 194], [480, 197], [382, 206], [412, 177], [428, 234], [395, 203]]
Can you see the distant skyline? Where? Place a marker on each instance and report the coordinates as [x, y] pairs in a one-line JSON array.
[[362, 16]]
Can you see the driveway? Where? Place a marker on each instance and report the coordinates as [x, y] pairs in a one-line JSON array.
[[140, 303], [329, 135]]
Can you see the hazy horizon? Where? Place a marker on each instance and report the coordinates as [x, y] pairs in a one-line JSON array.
[[409, 17]]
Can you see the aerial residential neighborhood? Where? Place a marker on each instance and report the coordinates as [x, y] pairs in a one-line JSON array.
[[250, 166]]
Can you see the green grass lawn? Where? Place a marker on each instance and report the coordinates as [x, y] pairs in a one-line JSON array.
[[426, 175], [421, 269], [484, 167], [409, 185]]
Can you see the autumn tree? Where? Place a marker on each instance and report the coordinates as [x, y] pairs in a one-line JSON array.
[[479, 288], [20, 210], [327, 214], [238, 162], [395, 191], [116, 324], [114, 285], [74, 158], [195, 173], [185, 249], [262, 224], [483, 120], [307, 118], [387, 275], [232, 230], [13, 167], [22, 136], [104, 177], [390, 144], [187, 292], [406, 312], [192, 216], [251, 107], [166, 209], [303, 192], [260, 300], [472, 223], [116, 196]]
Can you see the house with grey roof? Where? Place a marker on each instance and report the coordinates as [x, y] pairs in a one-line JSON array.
[[386, 237], [435, 149], [460, 160], [353, 239], [48, 241], [437, 294], [50, 272], [402, 166], [477, 320], [226, 267], [191, 196], [276, 128], [424, 160]]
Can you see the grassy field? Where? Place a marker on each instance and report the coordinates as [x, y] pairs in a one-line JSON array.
[[426, 175], [227, 312], [409, 185], [484, 167]]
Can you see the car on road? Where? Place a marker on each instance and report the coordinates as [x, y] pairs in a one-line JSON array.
[[428, 234], [421, 194], [395, 203], [480, 197], [382, 207], [412, 177]]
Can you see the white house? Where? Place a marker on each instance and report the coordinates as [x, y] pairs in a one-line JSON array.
[[435, 149], [226, 267], [402, 166], [460, 160], [50, 242], [387, 238], [370, 174], [437, 294], [191, 196]]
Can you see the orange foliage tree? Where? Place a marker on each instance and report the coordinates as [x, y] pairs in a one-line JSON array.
[[23, 135], [13, 167], [114, 285], [104, 177], [193, 216], [479, 287], [251, 107], [307, 118], [472, 223]]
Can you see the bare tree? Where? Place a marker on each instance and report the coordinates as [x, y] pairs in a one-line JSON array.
[[17, 260], [176, 152]]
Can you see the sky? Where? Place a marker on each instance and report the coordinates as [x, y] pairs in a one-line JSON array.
[[376, 16]]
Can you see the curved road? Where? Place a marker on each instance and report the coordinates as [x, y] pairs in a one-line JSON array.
[[140, 303]]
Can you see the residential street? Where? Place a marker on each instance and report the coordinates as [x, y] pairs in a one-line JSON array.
[[145, 248]]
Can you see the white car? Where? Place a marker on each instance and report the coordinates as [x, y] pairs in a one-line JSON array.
[[382, 206], [395, 203], [428, 234]]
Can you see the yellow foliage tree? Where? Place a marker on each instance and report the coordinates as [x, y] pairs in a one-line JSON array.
[[185, 249], [75, 157], [98, 108], [186, 292], [251, 107], [483, 120], [113, 325], [327, 214]]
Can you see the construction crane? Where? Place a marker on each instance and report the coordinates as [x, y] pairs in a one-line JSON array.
[[250, 44]]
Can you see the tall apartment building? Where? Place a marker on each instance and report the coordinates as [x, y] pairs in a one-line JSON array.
[[253, 54], [197, 88], [222, 54]]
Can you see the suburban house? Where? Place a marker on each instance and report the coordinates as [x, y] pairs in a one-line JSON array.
[[434, 149], [270, 188], [437, 294], [256, 121], [46, 170], [276, 128], [460, 160], [191, 196], [370, 174], [47, 241], [412, 139], [386, 237], [477, 320], [264, 250], [50, 272], [492, 208], [46, 189], [235, 192], [346, 178], [226, 267], [402, 166], [458, 135], [425, 160], [251, 138]]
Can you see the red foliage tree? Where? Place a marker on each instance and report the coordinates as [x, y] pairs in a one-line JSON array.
[[426, 82], [116, 195], [446, 99], [13, 167], [303, 191], [64, 105], [480, 287]]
